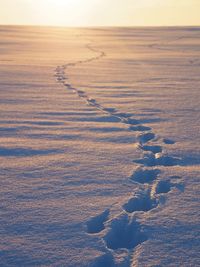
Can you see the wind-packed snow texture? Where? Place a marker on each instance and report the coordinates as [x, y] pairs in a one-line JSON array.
[[99, 148]]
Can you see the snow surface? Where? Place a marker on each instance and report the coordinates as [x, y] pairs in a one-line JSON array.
[[99, 149]]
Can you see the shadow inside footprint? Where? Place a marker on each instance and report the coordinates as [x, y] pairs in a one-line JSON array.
[[180, 187], [124, 233], [144, 138], [140, 202], [153, 149], [96, 224], [145, 175], [163, 187], [81, 93], [168, 141], [92, 101], [165, 160], [158, 159], [131, 121], [105, 260], [139, 128], [110, 110]]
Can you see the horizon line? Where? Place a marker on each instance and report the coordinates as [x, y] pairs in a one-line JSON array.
[[101, 26]]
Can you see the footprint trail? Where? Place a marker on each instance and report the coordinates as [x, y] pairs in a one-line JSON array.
[[123, 233]]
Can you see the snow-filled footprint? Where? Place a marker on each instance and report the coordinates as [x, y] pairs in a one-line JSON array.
[[168, 141], [131, 121], [141, 201], [152, 148], [162, 187], [124, 233], [151, 160], [145, 175], [146, 137], [165, 186], [165, 160], [139, 128]]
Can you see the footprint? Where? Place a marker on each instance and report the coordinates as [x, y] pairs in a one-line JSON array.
[[57, 75], [143, 176], [106, 260], [110, 110], [124, 115], [131, 121], [168, 141], [60, 79], [91, 100], [165, 160], [144, 138], [158, 159], [148, 160], [139, 128], [124, 233], [81, 93], [67, 85], [180, 187], [175, 177], [96, 224], [140, 202], [153, 149], [163, 187], [176, 183]]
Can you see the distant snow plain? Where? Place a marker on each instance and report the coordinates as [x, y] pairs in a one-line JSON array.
[[99, 150]]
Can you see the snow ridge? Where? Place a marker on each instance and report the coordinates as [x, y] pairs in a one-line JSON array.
[[123, 233]]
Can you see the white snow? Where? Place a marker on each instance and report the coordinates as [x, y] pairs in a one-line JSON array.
[[99, 147]]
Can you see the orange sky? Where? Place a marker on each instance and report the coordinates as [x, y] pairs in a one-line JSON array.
[[100, 12]]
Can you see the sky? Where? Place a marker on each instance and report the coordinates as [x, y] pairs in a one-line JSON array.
[[100, 12]]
